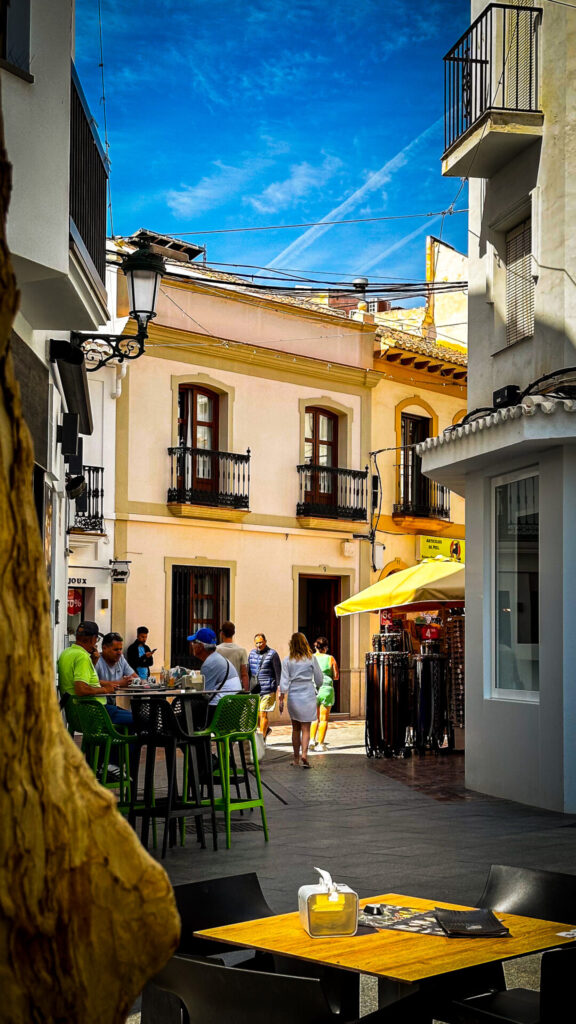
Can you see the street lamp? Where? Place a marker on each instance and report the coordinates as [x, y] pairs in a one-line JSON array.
[[143, 270]]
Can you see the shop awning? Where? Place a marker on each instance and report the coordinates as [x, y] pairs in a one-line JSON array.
[[436, 579]]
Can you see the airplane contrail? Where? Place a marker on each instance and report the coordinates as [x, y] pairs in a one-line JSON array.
[[375, 181], [397, 245]]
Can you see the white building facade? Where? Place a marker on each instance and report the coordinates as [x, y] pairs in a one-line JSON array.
[[510, 121], [56, 234]]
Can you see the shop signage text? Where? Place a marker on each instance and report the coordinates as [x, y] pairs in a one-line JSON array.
[[431, 547]]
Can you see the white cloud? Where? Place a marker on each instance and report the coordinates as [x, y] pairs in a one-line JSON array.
[[303, 179], [214, 189], [372, 184]]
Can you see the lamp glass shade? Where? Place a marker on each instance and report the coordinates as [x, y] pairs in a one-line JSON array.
[[143, 292], [143, 270]]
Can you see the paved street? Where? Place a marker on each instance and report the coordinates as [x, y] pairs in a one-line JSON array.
[[398, 826], [379, 825]]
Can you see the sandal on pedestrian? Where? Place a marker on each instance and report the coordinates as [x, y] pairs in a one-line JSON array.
[[294, 764], [305, 763]]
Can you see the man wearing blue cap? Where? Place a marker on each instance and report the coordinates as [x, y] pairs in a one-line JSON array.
[[219, 674]]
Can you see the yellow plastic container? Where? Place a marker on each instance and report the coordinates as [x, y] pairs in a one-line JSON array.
[[328, 909]]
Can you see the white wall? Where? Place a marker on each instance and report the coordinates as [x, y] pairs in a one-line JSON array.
[[521, 750], [37, 134]]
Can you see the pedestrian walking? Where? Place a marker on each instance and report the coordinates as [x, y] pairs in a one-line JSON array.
[[236, 655], [326, 696], [264, 669], [301, 677]]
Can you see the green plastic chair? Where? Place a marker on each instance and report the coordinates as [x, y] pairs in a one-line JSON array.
[[98, 738], [235, 720], [68, 706]]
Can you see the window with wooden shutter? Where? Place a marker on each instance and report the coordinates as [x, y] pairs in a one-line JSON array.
[[519, 283]]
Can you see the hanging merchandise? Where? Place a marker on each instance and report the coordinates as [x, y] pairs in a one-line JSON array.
[[455, 646], [432, 727]]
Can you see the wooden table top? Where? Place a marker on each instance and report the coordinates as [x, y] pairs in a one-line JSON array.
[[389, 953]]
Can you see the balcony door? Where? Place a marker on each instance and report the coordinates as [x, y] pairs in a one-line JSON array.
[[414, 487], [198, 415], [321, 450]]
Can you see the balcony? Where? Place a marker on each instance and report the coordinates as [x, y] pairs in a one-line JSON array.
[[328, 493], [88, 184], [491, 92], [209, 484], [89, 516], [418, 497]]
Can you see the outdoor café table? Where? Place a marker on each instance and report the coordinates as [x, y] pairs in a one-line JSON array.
[[195, 701], [402, 958]]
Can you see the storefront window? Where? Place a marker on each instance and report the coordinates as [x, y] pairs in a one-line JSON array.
[[516, 577]]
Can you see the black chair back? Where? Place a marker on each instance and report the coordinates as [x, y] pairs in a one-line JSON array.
[[530, 892], [215, 902], [155, 719], [212, 994], [557, 985]]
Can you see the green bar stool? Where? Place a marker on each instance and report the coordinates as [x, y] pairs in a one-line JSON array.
[[235, 720], [98, 738]]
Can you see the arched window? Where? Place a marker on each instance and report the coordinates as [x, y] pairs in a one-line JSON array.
[[321, 450]]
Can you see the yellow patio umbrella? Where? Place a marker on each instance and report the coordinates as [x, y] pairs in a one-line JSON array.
[[430, 581]]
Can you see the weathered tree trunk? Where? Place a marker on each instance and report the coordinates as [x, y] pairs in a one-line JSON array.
[[86, 916]]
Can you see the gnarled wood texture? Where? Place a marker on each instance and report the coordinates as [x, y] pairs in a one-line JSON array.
[[86, 916]]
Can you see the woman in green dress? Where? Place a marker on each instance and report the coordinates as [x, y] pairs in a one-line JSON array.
[[325, 697]]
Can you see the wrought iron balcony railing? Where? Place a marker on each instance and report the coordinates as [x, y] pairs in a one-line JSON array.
[[330, 493], [418, 496], [89, 515], [199, 476], [493, 66], [88, 181]]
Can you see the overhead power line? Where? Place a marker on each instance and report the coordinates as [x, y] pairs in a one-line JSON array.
[[312, 224]]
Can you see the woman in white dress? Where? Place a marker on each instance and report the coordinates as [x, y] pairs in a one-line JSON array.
[[301, 678]]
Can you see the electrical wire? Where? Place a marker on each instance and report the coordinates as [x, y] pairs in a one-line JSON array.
[[295, 270], [314, 223]]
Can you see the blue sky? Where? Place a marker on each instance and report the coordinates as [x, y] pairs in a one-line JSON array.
[[247, 113]]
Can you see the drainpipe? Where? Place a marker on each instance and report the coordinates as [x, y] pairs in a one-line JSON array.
[[121, 371]]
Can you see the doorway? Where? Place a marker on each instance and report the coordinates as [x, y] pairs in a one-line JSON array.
[[317, 596]]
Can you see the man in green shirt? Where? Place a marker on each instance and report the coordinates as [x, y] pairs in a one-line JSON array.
[[76, 673]]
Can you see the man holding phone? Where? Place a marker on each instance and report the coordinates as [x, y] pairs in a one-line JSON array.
[[139, 656]]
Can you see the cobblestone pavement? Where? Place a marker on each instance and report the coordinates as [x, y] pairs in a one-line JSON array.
[[406, 826]]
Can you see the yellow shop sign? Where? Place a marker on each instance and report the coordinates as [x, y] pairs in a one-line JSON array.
[[430, 547]]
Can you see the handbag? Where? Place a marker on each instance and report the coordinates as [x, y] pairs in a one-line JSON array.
[[255, 685]]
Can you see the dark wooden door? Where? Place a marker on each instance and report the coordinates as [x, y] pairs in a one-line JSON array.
[[200, 597], [317, 597]]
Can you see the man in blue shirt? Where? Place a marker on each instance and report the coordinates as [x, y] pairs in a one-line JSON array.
[[113, 667], [265, 668], [219, 674]]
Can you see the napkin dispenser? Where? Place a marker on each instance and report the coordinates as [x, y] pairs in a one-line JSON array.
[[193, 680], [328, 909]]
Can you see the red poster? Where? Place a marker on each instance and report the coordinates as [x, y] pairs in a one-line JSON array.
[[75, 601]]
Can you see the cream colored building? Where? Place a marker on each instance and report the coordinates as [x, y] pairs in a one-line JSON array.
[[243, 478]]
